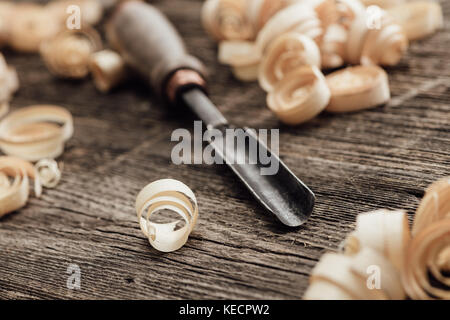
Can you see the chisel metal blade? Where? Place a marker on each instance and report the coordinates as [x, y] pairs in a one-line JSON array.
[[281, 193]]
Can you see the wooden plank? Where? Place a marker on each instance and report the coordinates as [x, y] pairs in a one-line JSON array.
[[380, 158]]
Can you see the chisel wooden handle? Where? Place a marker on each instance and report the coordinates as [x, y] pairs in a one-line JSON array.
[[151, 45]]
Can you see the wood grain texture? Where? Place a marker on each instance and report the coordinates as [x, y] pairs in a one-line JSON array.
[[380, 158]]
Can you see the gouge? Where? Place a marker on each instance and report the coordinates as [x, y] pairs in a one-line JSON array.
[[150, 44]]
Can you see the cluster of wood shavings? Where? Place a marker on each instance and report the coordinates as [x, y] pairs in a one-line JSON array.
[[273, 40], [38, 133], [15, 175], [68, 51], [414, 264], [31, 134], [67, 55], [24, 26]]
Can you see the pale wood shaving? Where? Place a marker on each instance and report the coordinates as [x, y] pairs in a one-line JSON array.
[[288, 52], [167, 194], [417, 267], [36, 132], [108, 69], [299, 96], [68, 54], [14, 193], [357, 88]]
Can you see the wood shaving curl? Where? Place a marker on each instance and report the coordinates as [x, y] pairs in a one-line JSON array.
[[14, 193], [48, 172], [384, 231], [30, 25], [226, 20], [288, 52], [341, 277], [67, 55], [36, 132], [332, 48], [386, 45], [326, 11], [25, 26], [348, 11], [377, 245], [418, 18], [300, 96], [260, 11], [172, 195], [108, 69], [297, 17], [357, 88], [243, 56], [435, 205], [427, 265]]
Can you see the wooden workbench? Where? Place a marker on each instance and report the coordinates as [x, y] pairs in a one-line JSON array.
[[379, 158]]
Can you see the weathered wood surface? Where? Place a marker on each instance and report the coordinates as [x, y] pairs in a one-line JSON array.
[[380, 158]]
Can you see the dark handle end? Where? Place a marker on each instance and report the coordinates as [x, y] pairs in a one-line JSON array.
[[151, 45]]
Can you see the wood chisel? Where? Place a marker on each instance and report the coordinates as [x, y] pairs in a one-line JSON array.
[[150, 44]]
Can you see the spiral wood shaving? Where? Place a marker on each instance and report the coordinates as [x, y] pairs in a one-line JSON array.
[[288, 52], [435, 205], [340, 277], [67, 55], [299, 96], [379, 242], [15, 175], [242, 56], [30, 25], [348, 11], [427, 264], [326, 11], [238, 53], [357, 88], [260, 11], [172, 195], [418, 18], [426, 272], [297, 17], [332, 48], [36, 132], [226, 20], [108, 69], [385, 46], [48, 172], [24, 26], [385, 231]]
